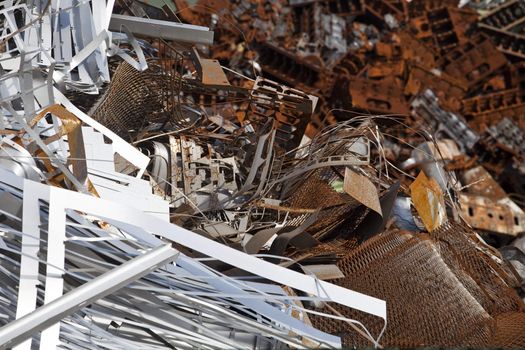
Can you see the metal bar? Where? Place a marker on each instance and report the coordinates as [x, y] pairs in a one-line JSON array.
[[162, 29], [45, 316]]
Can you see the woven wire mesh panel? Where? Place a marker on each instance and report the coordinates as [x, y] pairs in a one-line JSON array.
[[333, 248], [427, 304], [337, 247], [135, 99]]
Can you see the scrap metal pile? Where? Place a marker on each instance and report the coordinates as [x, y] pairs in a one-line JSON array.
[[262, 174]]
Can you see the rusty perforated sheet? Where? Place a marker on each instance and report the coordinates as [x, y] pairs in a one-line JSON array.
[[486, 214]]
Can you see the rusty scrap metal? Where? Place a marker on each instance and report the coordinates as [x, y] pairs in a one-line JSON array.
[[509, 43], [450, 124], [451, 90], [474, 61], [485, 214], [376, 96], [445, 27], [505, 15], [310, 133]]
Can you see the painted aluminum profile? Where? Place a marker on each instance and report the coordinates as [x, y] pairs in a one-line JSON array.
[[180, 32]]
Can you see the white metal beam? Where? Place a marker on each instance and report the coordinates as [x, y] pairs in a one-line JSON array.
[[181, 32]]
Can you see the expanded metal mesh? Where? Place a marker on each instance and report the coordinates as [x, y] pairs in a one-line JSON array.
[[135, 99], [334, 206], [484, 275], [509, 330], [441, 289]]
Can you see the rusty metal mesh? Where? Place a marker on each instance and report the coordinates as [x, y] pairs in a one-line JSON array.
[[334, 206], [325, 195], [510, 330], [440, 291], [475, 265], [135, 99]]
